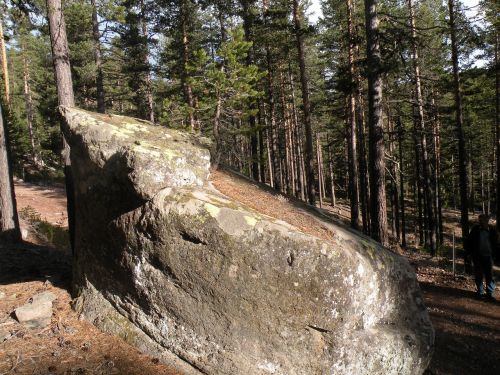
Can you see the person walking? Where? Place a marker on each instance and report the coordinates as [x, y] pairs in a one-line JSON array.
[[481, 244]]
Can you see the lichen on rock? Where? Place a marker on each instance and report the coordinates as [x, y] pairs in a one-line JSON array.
[[166, 261]]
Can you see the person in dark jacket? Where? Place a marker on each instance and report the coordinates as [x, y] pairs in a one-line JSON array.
[[481, 245]]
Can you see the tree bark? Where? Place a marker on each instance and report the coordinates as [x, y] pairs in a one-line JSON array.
[[437, 173], [9, 221], [272, 111], [188, 90], [351, 127], [309, 158], [5, 68], [462, 162], [364, 190], [247, 27], [401, 182], [318, 161], [28, 100], [64, 85], [426, 167], [376, 127], [96, 35], [497, 121]]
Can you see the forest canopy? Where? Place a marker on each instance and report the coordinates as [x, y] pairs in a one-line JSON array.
[[391, 107]]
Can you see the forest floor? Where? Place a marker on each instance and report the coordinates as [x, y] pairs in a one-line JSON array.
[[467, 330]]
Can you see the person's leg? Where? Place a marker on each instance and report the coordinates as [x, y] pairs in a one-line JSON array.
[[478, 275], [487, 266]]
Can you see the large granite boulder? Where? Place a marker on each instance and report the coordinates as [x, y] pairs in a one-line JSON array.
[[183, 272]]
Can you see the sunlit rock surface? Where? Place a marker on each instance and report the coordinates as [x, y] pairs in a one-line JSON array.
[[182, 272]]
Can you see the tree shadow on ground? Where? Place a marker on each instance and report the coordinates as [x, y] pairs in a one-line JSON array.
[[25, 261], [467, 331]]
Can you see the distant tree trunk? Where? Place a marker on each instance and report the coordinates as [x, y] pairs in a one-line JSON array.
[[9, 221], [401, 182], [418, 185], [96, 34], [376, 127], [318, 161], [28, 99], [64, 84], [351, 127], [437, 173], [5, 68], [426, 166], [262, 163], [364, 190], [472, 191], [309, 158], [394, 181], [462, 162], [332, 183]]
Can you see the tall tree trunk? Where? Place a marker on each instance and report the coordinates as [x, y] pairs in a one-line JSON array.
[[351, 127], [188, 90], [64, 85], [497, 120], [309, 158], [426, 166], [462, 162], [247, 27], [148, 88], [376, 127], [96, 35], [298, 140], [9, 221], [272, 110], [5, 69]]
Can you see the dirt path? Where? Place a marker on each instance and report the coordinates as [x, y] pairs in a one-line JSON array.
[[467, 330], [49, 202]]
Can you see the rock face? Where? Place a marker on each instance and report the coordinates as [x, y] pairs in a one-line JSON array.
[[167, 262]]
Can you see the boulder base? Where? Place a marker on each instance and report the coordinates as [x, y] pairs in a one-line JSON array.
[[179, 270]]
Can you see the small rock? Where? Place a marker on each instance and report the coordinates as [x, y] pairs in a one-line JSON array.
[[4, 335], [33, 311], [37, 313], [2, 295], [43, 297]]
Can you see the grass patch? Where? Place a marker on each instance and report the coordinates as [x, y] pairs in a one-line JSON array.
[[52, 234]]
